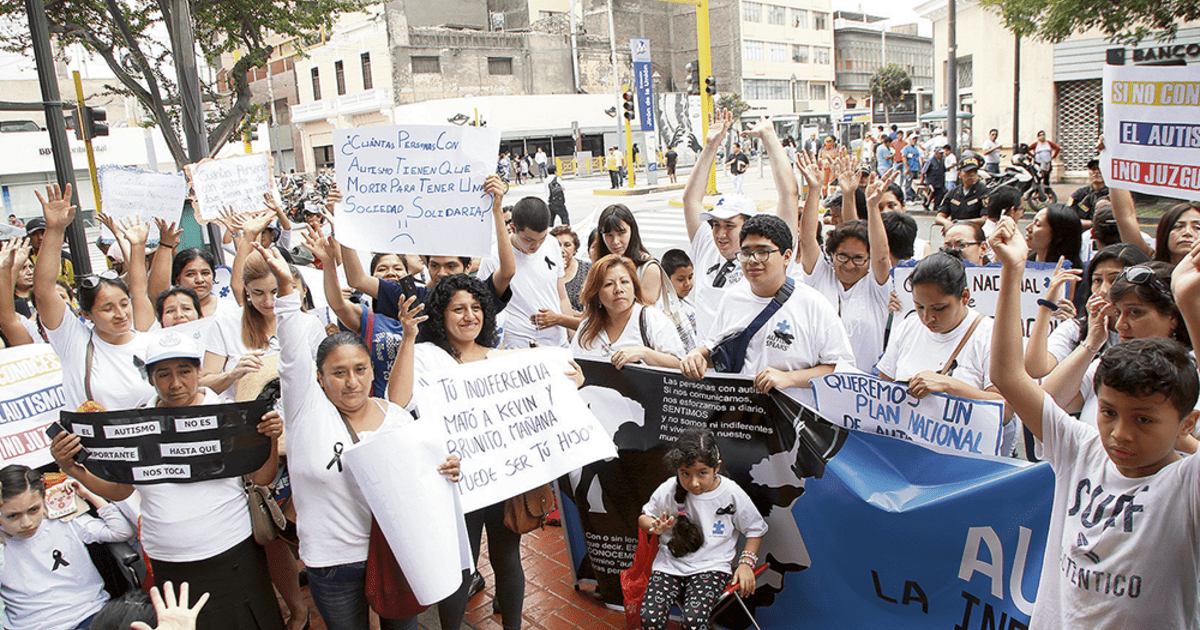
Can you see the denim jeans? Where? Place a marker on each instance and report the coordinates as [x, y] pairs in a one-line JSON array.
[[340, 593]]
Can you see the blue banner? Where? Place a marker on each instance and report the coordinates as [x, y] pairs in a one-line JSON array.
[[643, 81]]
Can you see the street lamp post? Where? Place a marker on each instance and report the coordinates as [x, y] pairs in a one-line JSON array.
[[794, 110]]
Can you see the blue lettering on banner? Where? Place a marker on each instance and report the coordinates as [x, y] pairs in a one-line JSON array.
[[1166, 135], [31, 404]]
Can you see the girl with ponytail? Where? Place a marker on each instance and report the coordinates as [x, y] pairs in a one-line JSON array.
[[699, 515]]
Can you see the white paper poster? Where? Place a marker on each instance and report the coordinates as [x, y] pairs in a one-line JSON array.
[[238, 183], [30, 398], [134, 192], [984, 285], [1152, 130], [515, 421], [415, 189]]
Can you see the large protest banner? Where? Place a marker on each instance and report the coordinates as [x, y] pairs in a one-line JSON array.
[[947, 423], [173, 444], [887, 532], [146, 194], [515, 422], [30, 398], [237, 183], [984, 284], [1152, 130], [416, 189]]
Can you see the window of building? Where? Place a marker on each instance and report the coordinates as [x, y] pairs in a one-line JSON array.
[[799, 53], [752, 11], [776, 89], [779, 52], [323, 156], [821, 54], [316, 78], [282, 114], [752, 51], [368, 80], [500, 66], [820, 21], [776, 15], [426, 65], [818, 92], [801, 93], [339, 76], [799, 18], [966, 72]]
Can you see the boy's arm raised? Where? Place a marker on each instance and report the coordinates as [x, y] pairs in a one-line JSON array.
[[1008, 370], [697, 183], [1185, 286]]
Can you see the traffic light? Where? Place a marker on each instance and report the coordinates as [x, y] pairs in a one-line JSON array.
[[627, 103], [250, 132], [693, 77], [93, 122], [72, 123], [710, 86]]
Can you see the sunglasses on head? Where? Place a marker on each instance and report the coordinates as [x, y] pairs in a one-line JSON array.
[[1143, 275], [93, 281]]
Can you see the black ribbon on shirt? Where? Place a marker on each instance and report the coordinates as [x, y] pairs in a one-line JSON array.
[[59, 560], [173, 444]]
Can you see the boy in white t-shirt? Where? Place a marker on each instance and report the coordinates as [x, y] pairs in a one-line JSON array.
[[802, 340], [1122, 551]]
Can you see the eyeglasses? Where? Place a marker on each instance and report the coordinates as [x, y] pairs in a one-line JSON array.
[[1143, 275], [857, 260], [962, 244], [760, 255]]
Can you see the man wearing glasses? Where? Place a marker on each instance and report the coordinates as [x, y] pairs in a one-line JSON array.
[[800, 338], [714, 233]]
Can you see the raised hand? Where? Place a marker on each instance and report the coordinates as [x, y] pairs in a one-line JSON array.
[[847, 175], [661, 524], [107, 221], [1185, 280], [134, 229], [323, 247], [279, 266], [168, 235], [1009, 244], [763, 128], [876, 186], [719, 123], [254, 224], [810, 168], [494, 186], [332, 199], [410, 315], [56, 207]]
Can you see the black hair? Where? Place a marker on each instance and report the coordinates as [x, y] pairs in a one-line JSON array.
[[566, 229], [16, 479], [1001, 200], [860, 204], [176, 290], [121, 612], [1104, 225], [532, 214], [183, 258], [434, 328], [848, 229], [335, 341], [1124, 254], [770, 227], [306, 298], [1066, 234], [1144, 367], [87, 296], [1163, 303], [896, 192], [1162, 241], [673, 259], [551, 169], [611, 219], [943, 269], [694, 445], [592, 237], [378, 256], [901, 232]]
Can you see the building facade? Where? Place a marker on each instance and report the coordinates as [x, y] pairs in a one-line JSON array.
[[862, 45]]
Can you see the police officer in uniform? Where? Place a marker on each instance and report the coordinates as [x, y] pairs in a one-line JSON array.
[[1084, 200], [966, 201]]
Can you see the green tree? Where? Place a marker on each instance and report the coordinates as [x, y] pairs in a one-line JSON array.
[[1127, 21], [734, 103], [132, 37], [889, 84]]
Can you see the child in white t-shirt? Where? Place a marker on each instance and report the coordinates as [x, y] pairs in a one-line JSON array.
[[1122, 551], [698, 515], [681, 271]]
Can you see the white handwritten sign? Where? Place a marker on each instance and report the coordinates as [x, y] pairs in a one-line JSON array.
[[237, 182], [946, 423], [984, 285], [1152, 130], [146, 194], [415, 189], [515, 421]]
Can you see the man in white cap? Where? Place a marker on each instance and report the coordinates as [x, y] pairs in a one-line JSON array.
[[715, 234]]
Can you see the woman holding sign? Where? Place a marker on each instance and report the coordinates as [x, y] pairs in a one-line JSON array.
[[618, 325], [327, 407]]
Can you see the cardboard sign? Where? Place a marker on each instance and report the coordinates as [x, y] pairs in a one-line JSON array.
[[515, 421], [31, 395], [173, 444], [984, 285], [1152, 130], [416, 189], [238, 183], [146, 194], [874, 405]]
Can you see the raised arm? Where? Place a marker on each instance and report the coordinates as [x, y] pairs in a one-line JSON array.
[[788, 207], [1008, 374], [348, 313], [13, 254], [503, 274], [1185, 286], [164, 256], [809, 251], [136, 230], [881, 259], [359, 279], [58, 211], [401, 381], [1125, 215], [1038, 360], [697, 183]]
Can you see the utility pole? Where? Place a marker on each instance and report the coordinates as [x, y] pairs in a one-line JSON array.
[[704, 55], [60, 148], [1016, 93], [952, 80], [87, 139]]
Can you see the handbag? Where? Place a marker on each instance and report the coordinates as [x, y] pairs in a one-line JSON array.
[[527, 511], [636, 578], [388, 591], [730, 355], [266, 519]]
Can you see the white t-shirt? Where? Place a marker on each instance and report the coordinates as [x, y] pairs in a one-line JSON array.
[[534, 287], [994, 156], [951, 163], [224, 339], [1121, 552], [48, 580], [332, 515], [720, 530], [660, 332], [117, 382], [805, 332], [185, 522], [863, 309]]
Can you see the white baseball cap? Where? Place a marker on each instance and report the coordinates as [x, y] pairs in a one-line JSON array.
[[172, 345], [730, 206]]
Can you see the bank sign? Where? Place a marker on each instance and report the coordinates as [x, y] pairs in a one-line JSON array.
[[1171, 54]]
